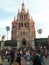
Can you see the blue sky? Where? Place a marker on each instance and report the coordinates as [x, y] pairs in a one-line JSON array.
[[38, 9]]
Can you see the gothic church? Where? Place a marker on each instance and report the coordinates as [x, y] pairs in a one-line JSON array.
[[23, 29]]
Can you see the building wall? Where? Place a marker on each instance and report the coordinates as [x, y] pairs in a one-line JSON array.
[[41, 42]]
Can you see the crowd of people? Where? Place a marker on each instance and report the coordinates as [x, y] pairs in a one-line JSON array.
[[24, 56]]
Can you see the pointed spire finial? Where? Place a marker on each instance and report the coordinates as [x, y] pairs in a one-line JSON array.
[[14, 18], [23, 6], [18, 11], [22, 3]]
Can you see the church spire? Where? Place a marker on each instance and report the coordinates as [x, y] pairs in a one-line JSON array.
[[23, 6], [14, 19]]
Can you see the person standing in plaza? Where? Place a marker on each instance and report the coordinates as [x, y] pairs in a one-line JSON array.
[[37, 59], [19, 59]]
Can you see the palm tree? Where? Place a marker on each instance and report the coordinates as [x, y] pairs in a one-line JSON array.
[[7, 28], [39, 31], [3, 37]]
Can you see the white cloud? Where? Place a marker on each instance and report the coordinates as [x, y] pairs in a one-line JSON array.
[[42, 21], [37, 5], [9, 5], [42, 16], [33, 5], [3, 24]]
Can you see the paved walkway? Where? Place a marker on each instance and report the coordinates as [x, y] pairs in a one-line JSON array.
[[46, 61], [30, 63]]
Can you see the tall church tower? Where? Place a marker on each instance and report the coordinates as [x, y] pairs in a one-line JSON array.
[[23, 29]]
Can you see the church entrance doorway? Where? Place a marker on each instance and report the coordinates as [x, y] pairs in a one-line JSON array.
[[24, 41]]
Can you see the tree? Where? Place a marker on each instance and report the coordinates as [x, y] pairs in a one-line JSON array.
[[3, 37], [7, 28], [39, 31]]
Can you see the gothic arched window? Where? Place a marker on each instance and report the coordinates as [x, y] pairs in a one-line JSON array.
[[25, 24], [22, 16], [19, 25], [24, 41]]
